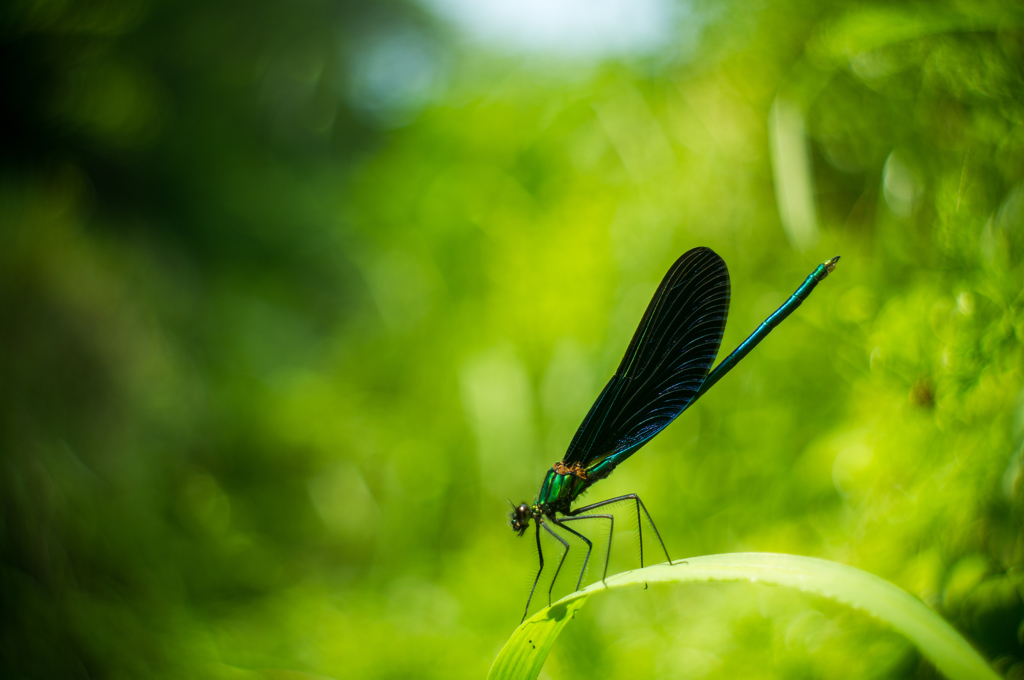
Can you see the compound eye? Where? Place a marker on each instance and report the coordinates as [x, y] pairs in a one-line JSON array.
[[523, 510]]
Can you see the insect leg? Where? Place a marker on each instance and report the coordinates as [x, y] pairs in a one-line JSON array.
[[608, 550], [560, 562], [590, 547], [639, 506], [536, 578]]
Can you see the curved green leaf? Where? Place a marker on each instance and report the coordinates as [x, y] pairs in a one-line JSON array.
[[523, 655]]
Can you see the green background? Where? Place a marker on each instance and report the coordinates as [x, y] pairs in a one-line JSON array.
[[295, 296]]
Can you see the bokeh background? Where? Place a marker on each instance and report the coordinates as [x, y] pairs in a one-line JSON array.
[[294, 296]]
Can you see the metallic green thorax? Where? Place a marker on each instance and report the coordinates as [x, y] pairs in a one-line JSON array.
[[562, 484], [559, 490]]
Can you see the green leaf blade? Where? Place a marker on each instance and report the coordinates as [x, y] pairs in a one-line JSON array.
[[524, 654]]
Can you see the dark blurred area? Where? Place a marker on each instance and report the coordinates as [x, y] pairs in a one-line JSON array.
[[167, 172], [294, 296]]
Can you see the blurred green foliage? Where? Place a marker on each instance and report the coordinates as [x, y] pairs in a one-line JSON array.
[[295, 295]]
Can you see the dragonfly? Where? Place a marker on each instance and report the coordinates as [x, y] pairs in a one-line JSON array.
[[666, 368]]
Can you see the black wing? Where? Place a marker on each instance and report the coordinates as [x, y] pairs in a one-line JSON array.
[[669, 357]]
